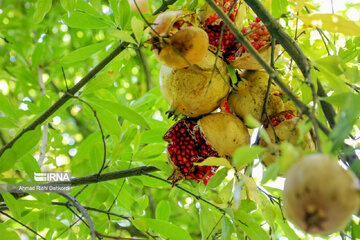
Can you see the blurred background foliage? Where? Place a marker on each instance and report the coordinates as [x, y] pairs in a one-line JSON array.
[[39, 38]]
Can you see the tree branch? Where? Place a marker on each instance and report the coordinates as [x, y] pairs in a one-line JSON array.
[[82, 210], [95, 178]]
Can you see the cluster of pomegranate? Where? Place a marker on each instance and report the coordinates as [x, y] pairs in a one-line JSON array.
[[195, 82]]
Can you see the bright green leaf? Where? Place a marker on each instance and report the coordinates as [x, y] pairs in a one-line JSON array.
[[42, 7], [167, 230], [83, 53], [163, 210], [12, 204], [215, 161], [68, 5], [123, 36], [84, 21], [217, 178], [246, 154], [7, 123], [138, 28]]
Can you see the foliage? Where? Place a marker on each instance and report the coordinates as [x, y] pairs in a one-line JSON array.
[[39, 38]]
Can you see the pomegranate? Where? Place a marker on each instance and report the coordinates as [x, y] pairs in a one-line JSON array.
[[142, 4], [186, 47], [176, 39], [191, 141], [286, 126], [196, 90], [319, 195], [249, 98]]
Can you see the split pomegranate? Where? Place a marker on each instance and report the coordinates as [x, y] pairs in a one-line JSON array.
[[191, 141], [196, 90], [319, 195], [176, 40], [286, 127], [248, 99]]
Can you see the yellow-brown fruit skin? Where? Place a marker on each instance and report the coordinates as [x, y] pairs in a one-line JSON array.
[[287, 130], [192, 91], [186, 47], [249, 99], [143, 6], [224, 132], [247, 61], [319, 195]]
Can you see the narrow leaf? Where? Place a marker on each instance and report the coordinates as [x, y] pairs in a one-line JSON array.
[[83, 53], [11, 203], [167, 230], [138, 28], [246, 154], [84, 21], [41, 8], [163, 210]]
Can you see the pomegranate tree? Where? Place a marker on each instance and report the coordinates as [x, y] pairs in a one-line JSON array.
[[319, 195], [196, 90], [192, 141], [176, 39]]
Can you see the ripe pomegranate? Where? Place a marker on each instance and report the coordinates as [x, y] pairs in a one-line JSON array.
[[176, 40], [142, 4], [286, 126], [196, 90], [249, 98], [191, 141], [186, 47], [319, 195]]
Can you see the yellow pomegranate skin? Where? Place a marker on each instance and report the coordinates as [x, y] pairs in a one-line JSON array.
[[224, 132], [198, 89], [319, 195]]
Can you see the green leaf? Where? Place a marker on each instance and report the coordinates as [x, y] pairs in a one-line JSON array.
[[84, 52], [27, 142], [84, 21], [7, 160], [68, 5], [167, 230], [348, 117], [150, 151], [104, 79], [332, 23], [154, 135], [246, 154], [122, 110], [8, 233], [41, 8], [163, 210], [208, 220], [123, 36], [30, 165], [7, 108], [138, 28], [6, 122], [247, 205], [250, 226], [271, 172], [217, 178], [123, 17], [13, 206], [279, 8], [227, 229]]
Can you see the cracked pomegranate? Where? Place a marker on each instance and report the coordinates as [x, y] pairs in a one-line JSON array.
[[286, 128], [176, 40], [319, 195], [249, 98], [191, 141], [196, 90]]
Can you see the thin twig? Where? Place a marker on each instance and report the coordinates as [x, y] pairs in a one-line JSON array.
[[22, 224], [82, 210], [114, 237], [44, 137]]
